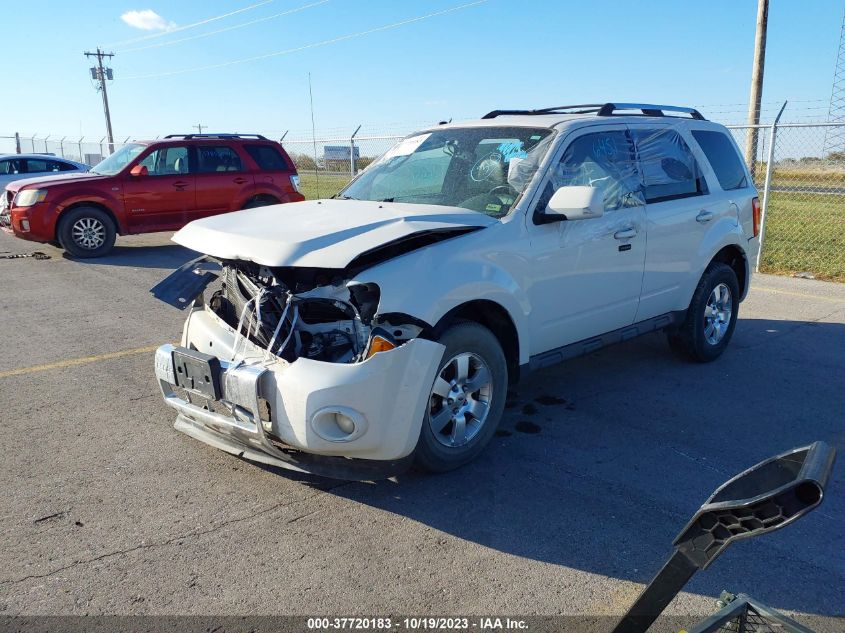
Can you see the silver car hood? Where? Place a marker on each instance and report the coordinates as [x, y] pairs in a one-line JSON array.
[[320, 234]]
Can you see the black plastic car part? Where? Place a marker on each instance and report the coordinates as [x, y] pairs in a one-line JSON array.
[[766, 497], [186, 283]]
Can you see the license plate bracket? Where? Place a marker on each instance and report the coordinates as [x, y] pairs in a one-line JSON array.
[[196, 372]]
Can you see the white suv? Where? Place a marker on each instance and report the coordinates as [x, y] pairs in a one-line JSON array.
[[351, 336]]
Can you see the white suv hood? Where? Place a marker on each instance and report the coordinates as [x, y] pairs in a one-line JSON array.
[[320, 234]]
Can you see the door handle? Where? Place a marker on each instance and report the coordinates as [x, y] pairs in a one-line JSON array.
[[704, 217], [239, 180], [625, 234], [180, 185]]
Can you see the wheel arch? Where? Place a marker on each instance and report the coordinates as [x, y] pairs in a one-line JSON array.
[[87, 203], [735, 257], [495, 318]]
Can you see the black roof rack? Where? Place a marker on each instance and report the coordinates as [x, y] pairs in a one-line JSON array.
[[604, 109], [223, 135], [589, 108]]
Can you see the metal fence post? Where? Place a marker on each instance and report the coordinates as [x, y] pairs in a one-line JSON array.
[[352, 153], [17, 143], [62, 146], [32, 143], [767, 184], [46, 149], [81, 155]]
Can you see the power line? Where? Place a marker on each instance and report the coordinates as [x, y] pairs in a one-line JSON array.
[[190, 26], [228, 28], [308, 46]]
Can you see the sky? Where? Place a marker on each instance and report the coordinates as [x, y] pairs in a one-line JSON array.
[[456, 64]]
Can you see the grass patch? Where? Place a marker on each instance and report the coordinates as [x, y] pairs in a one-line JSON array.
[[808, 177], [805, 233], [315, 186]]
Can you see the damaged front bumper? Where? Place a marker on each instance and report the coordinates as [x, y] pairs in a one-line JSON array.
[[350, 421]]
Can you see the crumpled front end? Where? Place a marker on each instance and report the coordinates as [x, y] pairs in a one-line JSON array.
[[279, 369]]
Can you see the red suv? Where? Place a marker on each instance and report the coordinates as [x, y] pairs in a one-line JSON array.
[[149, 186]]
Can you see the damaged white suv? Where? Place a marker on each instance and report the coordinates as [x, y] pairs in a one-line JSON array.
[[351, 336]]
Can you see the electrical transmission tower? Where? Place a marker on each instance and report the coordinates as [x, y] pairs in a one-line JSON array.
[[100, 74], [834, 139]]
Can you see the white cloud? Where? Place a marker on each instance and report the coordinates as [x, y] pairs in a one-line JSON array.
[[147, 20]]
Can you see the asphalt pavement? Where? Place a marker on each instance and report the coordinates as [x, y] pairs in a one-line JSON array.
[[597, 466]]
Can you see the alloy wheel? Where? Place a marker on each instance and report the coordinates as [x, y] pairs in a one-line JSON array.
[[717, 314], [460, 400], [88, 233]]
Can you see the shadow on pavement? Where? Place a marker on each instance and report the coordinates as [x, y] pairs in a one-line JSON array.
[[158, 256], [619, 449]]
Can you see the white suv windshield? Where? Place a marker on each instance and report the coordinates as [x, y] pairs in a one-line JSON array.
[[117, 161], [481, 168]]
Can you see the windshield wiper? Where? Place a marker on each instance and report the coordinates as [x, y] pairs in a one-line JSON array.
[[337, 197]]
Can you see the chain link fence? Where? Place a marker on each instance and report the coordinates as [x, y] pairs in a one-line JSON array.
[[326, 165], [81, 149], [803, 192], [804, 197]]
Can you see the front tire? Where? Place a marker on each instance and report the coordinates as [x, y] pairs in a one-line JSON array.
[[466, 401], [86, 232], [711, 317]]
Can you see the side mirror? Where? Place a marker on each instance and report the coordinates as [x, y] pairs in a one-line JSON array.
[[138, 171], [574, 203]]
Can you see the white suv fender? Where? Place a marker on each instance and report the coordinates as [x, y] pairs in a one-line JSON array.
[[723, 235], [430, 283]]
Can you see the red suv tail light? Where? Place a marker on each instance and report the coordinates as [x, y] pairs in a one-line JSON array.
[[755, 215]]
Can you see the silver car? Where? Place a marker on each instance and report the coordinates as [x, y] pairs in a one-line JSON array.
[[19, 166]]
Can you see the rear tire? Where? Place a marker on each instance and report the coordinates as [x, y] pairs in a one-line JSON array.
[[260, 201], [711, 317], [86, 232], [466, 401]]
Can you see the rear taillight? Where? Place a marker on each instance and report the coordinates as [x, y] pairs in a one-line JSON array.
[[755, 215], [294, 180]]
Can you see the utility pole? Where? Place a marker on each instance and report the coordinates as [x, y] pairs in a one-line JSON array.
[[199, 127], [756, 84], [101, 74]]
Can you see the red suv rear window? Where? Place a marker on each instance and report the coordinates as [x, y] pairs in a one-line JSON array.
[[267, 157]]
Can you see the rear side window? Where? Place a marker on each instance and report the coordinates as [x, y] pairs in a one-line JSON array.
[[217, 159], [64, 167], [670, 171], [267, 157], [723, 159], [35, 166]]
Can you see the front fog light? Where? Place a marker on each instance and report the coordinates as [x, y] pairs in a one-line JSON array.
[[344, 423], [24, 225], [339, 424]]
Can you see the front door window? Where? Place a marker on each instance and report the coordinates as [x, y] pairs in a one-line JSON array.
[[167, 161]]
